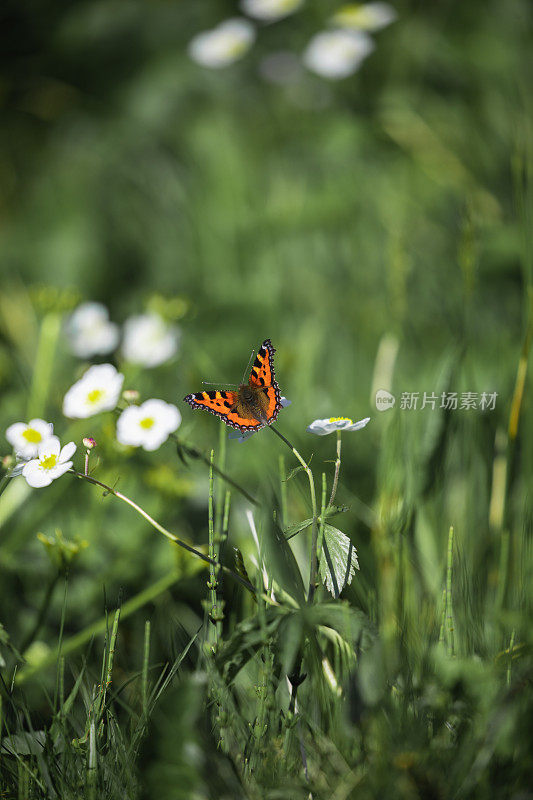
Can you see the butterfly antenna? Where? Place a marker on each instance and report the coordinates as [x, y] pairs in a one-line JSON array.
[[218, 383], [248, 367]]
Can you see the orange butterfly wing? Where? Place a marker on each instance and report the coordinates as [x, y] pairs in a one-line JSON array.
[[220, 403], [263, 377]]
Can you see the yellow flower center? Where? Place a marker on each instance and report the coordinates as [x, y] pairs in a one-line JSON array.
[[32, 436], [48, 462], [95, 395], [340, 419], [147, 422]]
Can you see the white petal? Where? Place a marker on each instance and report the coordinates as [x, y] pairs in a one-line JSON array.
[[337, 54], [14, 433], [100, 374], [102, 377], [46, 429], [358, 425], [61, 469], [320, 427], [67, 451], [270, 10], [165, 415], [149, 340], [50, 447], [154, 441], [129, 431], [369, 17], [36, 477], [222, 45]]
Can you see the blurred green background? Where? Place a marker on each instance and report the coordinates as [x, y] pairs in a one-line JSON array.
[[377, 229]]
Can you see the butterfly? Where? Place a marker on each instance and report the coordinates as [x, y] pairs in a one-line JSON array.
[[254, 405]]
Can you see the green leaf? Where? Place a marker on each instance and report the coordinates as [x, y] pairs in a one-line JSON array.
[[280, 563], [331, 510], [294, 472], [338, 561], [292, 530]]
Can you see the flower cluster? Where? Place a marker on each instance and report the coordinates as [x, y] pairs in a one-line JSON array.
[[40, 458], [334, 54], [148, 340]]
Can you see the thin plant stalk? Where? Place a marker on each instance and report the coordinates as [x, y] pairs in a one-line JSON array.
[[510, 662], [322, 519], [443, 617], [213, 568], [337, 469], [449, 606], [144, 674], [172, 537], [314, 524], [219, 491], [202, 457], [283, 491]]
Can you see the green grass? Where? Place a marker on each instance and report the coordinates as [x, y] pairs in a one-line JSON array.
[[378, 230]]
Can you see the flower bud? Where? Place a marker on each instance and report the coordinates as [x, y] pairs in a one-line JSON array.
[[131, 395], [8, 462], [89, 442]]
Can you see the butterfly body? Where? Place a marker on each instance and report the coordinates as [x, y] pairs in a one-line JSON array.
[[254, 404]]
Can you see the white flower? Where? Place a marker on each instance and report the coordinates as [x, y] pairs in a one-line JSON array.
[[324, 426], [26, 439], [90, 332], [337, 54], [270, 10], [51, 463], [148, 425], [97, 390], [222, 45], [149, 340], [367, 17]]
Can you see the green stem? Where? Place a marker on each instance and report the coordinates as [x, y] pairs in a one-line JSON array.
[[283, 491], [510, 662], [195, 453], [212, 583], [322, 520], [337, 470], [146, 659], [314, 525], [219, 491], [449, 607], [172, 537]]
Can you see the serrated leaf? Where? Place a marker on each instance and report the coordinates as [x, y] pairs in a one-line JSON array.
[[338, 561], [292, 530]]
